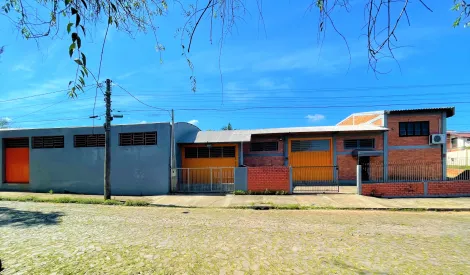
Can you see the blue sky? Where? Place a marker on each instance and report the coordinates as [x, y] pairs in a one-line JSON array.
[[280, 77]]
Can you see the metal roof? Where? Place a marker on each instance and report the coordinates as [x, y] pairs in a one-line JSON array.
[[450, 111], [245, 135]]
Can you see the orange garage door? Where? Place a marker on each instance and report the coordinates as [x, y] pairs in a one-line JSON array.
[[17, 160]]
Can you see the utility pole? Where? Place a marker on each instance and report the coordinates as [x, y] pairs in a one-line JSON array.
[[173, 153], [107, 145]]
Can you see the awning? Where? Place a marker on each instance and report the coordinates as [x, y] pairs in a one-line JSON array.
[[366, 153]]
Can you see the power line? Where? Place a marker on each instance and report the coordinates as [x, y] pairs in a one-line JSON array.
[[35, 111], [36, 95], [365, 88], [140, 100]]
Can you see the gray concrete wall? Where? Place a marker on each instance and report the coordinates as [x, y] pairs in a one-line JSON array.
[[135, 170], [241, 178], [184, 133]]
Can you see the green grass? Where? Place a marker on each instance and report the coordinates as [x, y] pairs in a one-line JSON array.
[[463, 167], [136, 203], [75, 200]]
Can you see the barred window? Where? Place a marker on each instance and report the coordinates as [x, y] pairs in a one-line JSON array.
[[415, 128], [359, 143], [263, 146], [310, 145], [48, 142], [16, 142], [209, 152], [142, 138], [89, 140]]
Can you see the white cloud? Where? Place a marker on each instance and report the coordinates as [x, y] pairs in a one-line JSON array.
[[268, 83], [193, 121], [315, 118], [143, 122], [22, 67], [7, 119]]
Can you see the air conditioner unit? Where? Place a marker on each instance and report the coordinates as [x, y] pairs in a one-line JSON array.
[[437, 139]]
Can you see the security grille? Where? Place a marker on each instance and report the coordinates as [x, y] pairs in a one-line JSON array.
[[359, 143], [310, 145], [48, 142], [16, 143], [143, 138], [209, 152], [263, 146], [89, 140]]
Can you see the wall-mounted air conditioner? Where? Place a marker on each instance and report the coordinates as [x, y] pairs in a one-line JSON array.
[[437, 139]]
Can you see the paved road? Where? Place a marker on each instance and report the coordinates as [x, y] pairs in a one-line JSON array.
[[42, 238]]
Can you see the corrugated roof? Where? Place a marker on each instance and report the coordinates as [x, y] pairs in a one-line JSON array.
[[450, 111], [245, 135]]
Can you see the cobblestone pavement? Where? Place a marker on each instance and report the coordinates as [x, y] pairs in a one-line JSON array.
[[42, 238]]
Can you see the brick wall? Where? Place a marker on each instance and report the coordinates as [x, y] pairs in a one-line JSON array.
[[402, 189], [394, 138], [429, 155], [268, 178], [417, 189], [265, 158], [447, 188]]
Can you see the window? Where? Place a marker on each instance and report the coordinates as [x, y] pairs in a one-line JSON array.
[[310, 145], [48, 142], [88, 140], [16, 142], [359, 143], [209, 152], [144, 138], [415, 128], [263, 146]]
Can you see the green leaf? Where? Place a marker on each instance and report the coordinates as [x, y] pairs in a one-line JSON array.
[[83, 29], [85, 70], [67, 2], [78, 61], [84, 4], [82, 81], [69, 27], [79, 42], [74, 36], [84, 59], [114, 7], [456, 22], [83, 74], [70, 82], [110, 20], [71, 49], [456, 7], [72, 92], [74, 11], [77, 20]]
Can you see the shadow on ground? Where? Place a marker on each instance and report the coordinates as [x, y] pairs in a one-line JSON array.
[[13, 217]]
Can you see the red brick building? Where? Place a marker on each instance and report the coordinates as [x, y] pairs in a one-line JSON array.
[[379, 140]]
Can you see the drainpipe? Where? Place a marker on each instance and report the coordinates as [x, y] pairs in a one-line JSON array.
[[444, 146]]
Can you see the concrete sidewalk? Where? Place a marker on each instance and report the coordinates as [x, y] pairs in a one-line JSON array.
[[336, 200]]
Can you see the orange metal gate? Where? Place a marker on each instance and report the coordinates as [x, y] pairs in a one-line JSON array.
[[311, 159], [17, 160]]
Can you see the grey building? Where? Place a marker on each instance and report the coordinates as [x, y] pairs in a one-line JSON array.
[[71, 159]]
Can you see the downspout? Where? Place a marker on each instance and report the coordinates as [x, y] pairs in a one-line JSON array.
[[444, 146], [385, 150], [286, 151], [335, 159], [240, 153]]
